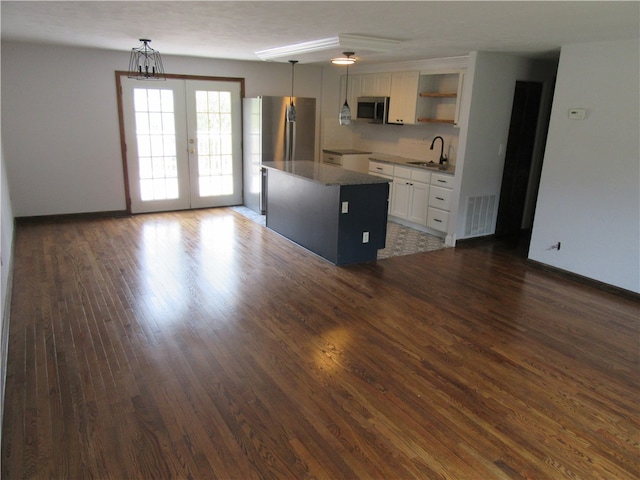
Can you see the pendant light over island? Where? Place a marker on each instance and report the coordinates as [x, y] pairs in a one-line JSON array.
[[345, 111]]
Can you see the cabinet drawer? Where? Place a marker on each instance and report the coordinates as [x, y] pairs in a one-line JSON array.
[[381, 168], [442, 180], [440, 198], [437, 219], [420, 175], [402, 172], [331, 159]]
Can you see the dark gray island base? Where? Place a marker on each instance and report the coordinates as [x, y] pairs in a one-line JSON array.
[[338, 214]]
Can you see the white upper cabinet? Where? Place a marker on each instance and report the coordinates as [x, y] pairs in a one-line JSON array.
[[456, 120], [376, 85], [404, 92], [414, 97], [354, 91]]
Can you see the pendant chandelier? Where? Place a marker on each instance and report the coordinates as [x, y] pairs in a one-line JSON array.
[[291, 109], [145, 63], [345, 111]]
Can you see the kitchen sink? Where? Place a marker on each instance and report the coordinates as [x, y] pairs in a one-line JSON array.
[[429, 165], [423, 164]]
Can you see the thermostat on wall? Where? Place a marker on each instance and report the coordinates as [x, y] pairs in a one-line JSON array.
[[577, 113]]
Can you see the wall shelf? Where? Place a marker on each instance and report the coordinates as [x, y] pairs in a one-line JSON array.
[[439, 98], [436, 120], [438, 95]]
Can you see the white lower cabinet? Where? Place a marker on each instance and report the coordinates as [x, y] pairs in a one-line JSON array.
[[410, 197], [383, 170], [417, 195], [437, 219], [439, 202]]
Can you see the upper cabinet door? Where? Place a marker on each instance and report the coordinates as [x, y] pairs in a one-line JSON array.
[[353, 92], [404, 97], [376, 85]]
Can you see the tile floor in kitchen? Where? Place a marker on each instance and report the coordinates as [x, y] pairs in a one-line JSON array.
[[401, 240]]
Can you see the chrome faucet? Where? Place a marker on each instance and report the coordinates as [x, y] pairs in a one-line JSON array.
[[442, 157]]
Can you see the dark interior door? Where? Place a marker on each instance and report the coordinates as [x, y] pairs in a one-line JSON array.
[[517, 164]]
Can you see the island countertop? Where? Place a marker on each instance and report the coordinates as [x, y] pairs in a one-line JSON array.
[[324, 174]]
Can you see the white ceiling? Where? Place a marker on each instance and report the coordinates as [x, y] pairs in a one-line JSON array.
[[237, 29]]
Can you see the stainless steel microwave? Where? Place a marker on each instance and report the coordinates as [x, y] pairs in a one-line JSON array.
[[373, 109]]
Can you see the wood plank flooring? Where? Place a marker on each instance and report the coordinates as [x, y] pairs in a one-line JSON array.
[[201, 345]]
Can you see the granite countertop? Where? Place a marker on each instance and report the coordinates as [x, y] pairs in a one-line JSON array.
[[345, 151], [324, 174], [397, 160]]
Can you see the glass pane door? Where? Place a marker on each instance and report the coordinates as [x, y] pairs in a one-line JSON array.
[[183, 144], [215, 159]]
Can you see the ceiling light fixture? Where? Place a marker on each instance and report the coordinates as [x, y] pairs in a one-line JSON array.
[[145, 63], [345, 111], [291, 109], [343, 60]]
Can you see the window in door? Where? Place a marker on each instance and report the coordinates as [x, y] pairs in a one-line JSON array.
[[215, 145], [156, 144]]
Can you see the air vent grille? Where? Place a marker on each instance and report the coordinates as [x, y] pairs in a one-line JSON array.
[[480, 216]]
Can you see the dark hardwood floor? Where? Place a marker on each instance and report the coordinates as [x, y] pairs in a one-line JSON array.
[[201, 345]]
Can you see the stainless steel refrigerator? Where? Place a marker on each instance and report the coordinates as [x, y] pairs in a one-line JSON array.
[[268, 137]]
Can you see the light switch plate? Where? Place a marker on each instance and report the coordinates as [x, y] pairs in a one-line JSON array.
[[577, 113], [345, 207]]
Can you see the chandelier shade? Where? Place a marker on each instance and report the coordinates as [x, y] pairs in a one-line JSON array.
[[145, 63]]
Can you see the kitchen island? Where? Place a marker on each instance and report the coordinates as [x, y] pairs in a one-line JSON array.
[[338, 214]]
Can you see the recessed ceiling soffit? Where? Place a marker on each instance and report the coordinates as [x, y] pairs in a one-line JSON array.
[[309, 50]]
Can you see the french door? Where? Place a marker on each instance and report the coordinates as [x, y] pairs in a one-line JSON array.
[[182, 143]]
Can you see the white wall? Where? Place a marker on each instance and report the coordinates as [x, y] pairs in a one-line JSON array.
[[60, 120], [589, 196], [6, 250], [489, 87]]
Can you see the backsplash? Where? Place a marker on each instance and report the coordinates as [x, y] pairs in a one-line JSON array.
[[411, 141]]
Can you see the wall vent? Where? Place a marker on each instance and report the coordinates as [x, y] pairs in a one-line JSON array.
[[480, 215]]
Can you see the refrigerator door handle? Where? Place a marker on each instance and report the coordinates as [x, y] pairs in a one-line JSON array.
[[293, 141], [287, 141]]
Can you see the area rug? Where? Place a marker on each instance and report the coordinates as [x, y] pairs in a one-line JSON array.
[[401, 240]]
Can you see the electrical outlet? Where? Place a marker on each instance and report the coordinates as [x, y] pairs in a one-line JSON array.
[[345, 207], [365, 237], [555, 246]]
